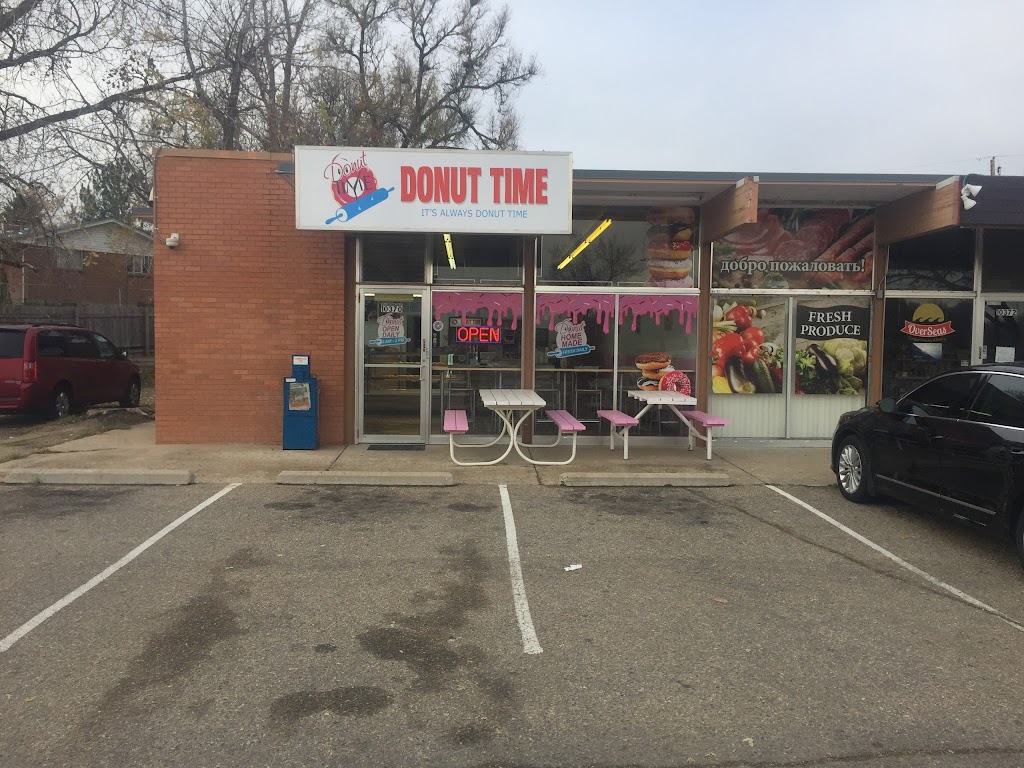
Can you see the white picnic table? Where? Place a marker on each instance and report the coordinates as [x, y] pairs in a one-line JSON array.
[[507, 404], [673, 401]]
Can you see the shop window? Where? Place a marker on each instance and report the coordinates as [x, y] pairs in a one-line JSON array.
[[393, 258], [655, 247], [942, 261], [923, 338], [749, 353], [478, 259], [476, 343], [657, 350], [575, 355], [830, 349], [1002, 255]]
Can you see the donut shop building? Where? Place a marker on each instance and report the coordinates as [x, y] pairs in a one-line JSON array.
[[414, 278]]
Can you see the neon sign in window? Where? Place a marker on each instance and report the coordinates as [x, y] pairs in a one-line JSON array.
[[478, 334]]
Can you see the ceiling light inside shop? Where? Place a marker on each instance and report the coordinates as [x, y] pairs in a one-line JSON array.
[[590, 238], [448, 248]]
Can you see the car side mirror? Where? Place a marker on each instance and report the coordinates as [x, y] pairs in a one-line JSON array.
[[887, 405], [124, 354]]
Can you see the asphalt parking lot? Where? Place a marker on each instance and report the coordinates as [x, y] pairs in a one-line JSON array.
[[292, 626]]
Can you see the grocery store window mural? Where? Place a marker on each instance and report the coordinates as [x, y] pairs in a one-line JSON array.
[[830, 351], [798, 248], [654, 247], [748, 345], [923, 338]]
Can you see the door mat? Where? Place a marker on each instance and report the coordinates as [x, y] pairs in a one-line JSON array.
[[396, 447]]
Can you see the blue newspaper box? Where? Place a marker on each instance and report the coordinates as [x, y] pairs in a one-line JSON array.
[[301, 409]]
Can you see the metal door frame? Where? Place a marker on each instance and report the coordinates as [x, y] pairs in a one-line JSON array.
[[423, 293]]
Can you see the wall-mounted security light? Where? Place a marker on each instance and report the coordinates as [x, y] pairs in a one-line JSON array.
[[589, 239], [967, 192], [173, 240]]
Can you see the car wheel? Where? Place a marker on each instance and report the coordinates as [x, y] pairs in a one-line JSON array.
[[131, 396], [1019, 538], [60, 405], [854, 475]]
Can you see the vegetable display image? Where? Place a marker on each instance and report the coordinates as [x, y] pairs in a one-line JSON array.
[[831, 367], [747, 349], [831, 348]]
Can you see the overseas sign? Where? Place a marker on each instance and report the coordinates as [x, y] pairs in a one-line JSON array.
[[365, 189]]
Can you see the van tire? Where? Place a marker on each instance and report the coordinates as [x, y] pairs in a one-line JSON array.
[[60, 403], [132, 394]]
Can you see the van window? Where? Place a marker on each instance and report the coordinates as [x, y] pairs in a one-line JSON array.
[[12, 344], [50, 344], [107, 350], [80, 345]]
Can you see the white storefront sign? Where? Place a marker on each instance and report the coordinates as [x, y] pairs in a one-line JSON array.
[[366, 189]]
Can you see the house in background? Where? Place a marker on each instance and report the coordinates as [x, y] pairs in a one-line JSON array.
[[101, 262]]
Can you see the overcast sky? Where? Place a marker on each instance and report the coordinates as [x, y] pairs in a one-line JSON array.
[[890, 86]]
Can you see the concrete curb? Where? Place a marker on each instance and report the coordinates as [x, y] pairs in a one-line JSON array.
[[99, 477], [365, 478], [645, 479]]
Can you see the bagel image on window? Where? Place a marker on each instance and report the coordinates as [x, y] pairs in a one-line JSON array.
[[657, 374]]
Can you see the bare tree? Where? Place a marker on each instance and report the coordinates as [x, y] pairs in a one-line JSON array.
[[420, 73], [85, 83]]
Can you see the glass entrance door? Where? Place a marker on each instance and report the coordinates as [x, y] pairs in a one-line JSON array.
[[393, 362], [1003, 331]]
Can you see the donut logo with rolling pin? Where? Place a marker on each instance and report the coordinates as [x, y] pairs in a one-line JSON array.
[[354, 187]]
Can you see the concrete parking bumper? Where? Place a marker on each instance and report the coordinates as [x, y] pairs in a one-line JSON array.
[[100, 476], [365, 478], [645, 479]]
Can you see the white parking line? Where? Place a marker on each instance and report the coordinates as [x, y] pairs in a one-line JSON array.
[[903, 563], [530, 642], [69, 598]]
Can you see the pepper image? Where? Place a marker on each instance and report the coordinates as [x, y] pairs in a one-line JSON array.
[[742, 315], [728, 346]]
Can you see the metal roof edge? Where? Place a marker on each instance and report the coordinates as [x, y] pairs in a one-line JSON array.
[[585, 174]]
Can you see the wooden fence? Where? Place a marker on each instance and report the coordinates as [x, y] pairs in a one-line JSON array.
[[128, 327]]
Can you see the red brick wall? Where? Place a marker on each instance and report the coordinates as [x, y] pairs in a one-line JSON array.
[[242, 292]]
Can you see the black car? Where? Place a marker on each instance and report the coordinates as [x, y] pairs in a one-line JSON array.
[[954, 445]]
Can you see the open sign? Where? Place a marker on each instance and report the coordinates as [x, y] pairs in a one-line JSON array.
[[478, 334]]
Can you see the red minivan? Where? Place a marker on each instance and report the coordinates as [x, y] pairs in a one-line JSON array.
[[55, 369]]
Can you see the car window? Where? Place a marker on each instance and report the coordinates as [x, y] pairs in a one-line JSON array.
[[1001, 401], [12, 343], [107, 350], [947, 396], [50, 344], [80, 345]]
